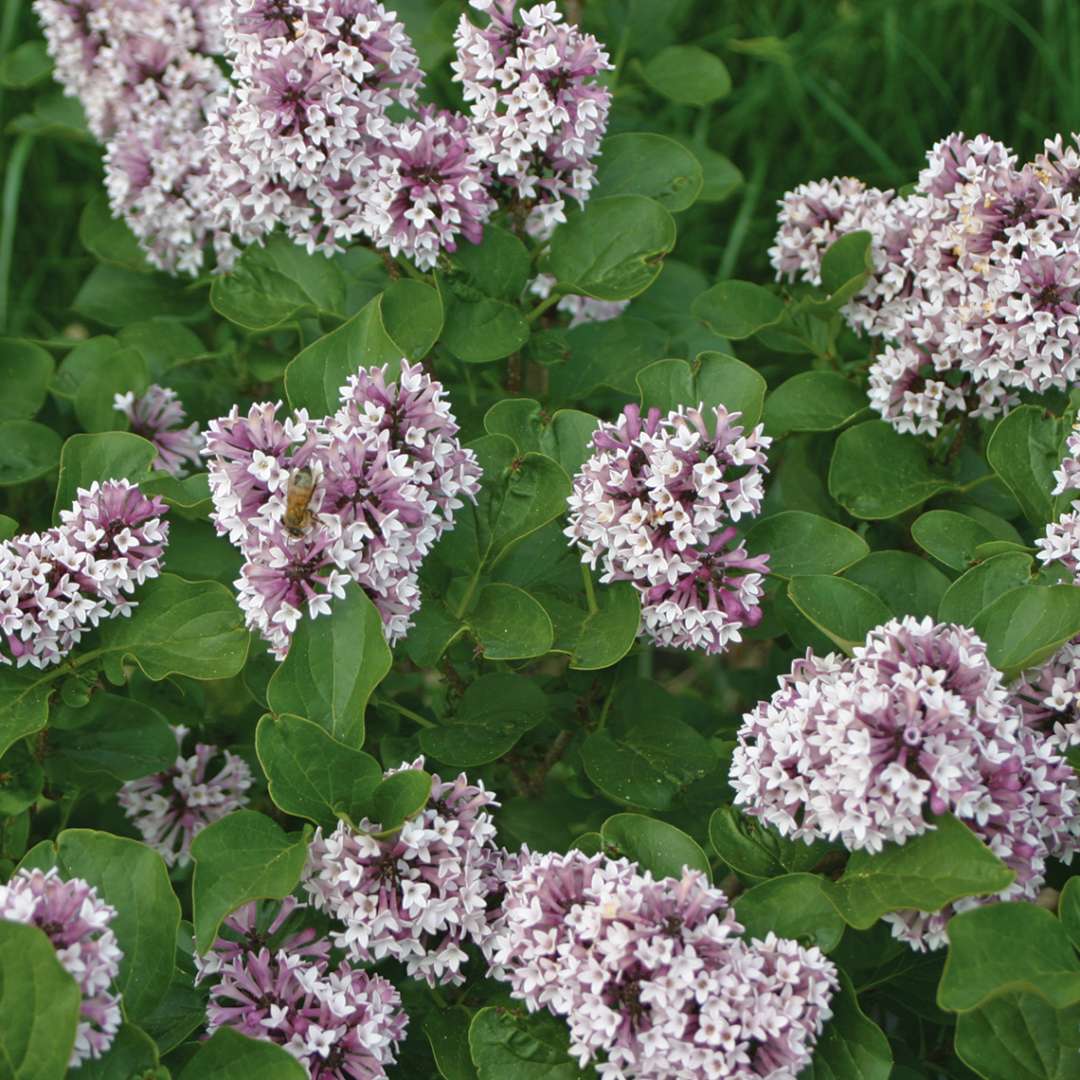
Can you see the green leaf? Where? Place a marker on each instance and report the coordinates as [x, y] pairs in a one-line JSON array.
[[108, 238], [519, 494], [688, 75], [949, 537], [274, 284], [606, 354], [87, 357], [8, 527], [1024, 450], [568, 438], [1019, 1035], [597, 639], [799, 543], [334, 664], [21, 779], [26, 370], [95, 399], [641, 163], [39, 1006], [447, 1032], [27, 450], [613, 249], [906, 584], [1027, 625], [115, 296], [720, 175], [24, 704], [1008, 946], [840, 609], [228, 1055], [654, 845], [180, 627], [311, 774], [519, 419], [635, 760], [791, 906], [515, 1045], [494, 712], [400, 796], [755, 850], [845, 266], [25, 66], [132, 1054], [498, 267], [1069, 910], [813, 401], [852, 1046], [242, 857], [509, 624], [878, 473], [738, 309], [111, 455], [480, 329], [926, 873], [134, 880], [716, 379], [180, 1011]]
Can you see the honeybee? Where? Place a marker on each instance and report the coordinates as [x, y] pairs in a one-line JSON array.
[[297, 518]]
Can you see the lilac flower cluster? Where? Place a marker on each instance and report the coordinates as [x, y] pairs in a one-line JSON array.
[[339, 1022], [653, 977], [537, 112], [418, 894], [975, 279], [146, 78], [170, 808], [76, 920], [157, 415], [655, 505], [917, 721], [56, 585], [305, 134], [1049, 697], [1061, 544], [389, 472]]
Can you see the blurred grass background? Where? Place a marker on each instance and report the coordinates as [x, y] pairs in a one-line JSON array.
[[819, 87]]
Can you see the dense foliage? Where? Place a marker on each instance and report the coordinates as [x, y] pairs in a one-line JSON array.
[[539, 540]]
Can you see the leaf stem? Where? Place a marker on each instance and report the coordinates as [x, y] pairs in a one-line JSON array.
[[590, 594], [415, 717], [9, 208], [549, 301], [467, 598]]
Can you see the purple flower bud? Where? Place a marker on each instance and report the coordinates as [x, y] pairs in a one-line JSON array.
[[157, 415], [76, 921]]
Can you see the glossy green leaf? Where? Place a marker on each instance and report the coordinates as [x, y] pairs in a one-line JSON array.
[[642, 163], [755, 850], [738, 309], [483, 329], [447, 1032], [688, 75], [498, 267], [493, 713], [334, 664], [715, 379], [813, 401], [594, 639], [95, 399], [132, 1054], [1024, 450], [843, 611], [606, 354], [514, 1045], [311, 774], [400, 796], [613, 249], [116, 296], [228, 1055], [27, 450], [509, 624], [1069, 910], [1027, 625], [949, 537], [26, 370], [20, 780], [108, 238], [982, 585], [242, 857], [852, 1046], [905, 583], [799, 543], [25, 66], [111, 455], [39, 1006], [791, 906], [655, 845]]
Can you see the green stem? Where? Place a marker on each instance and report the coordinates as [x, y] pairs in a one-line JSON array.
[[412, 271], [467, 598], [415, 717], [9, 210], [590, 595], [548, 301]]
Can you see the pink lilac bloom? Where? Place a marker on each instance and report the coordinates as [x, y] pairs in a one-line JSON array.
[[1061, 544], [418, 895], [57, 585], [428, 187], [653, 976], [158, 415], [170, 808], [1048, 697], [538, 113], [278, 985], [76, 920], [581, 309], [389, 475], [975, 281], [916, 723], [657, 505]]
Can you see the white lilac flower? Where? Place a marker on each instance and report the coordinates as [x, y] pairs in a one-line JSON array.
[[538, 113], [268, 983], [653, 976], [389, 473], [581, 309], [1049, 697], [158, 415], [170, 808], [57, 585], [418, 895], [657, 504], [76, 920], [1061, 543], [975, 279], [916, 723]]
